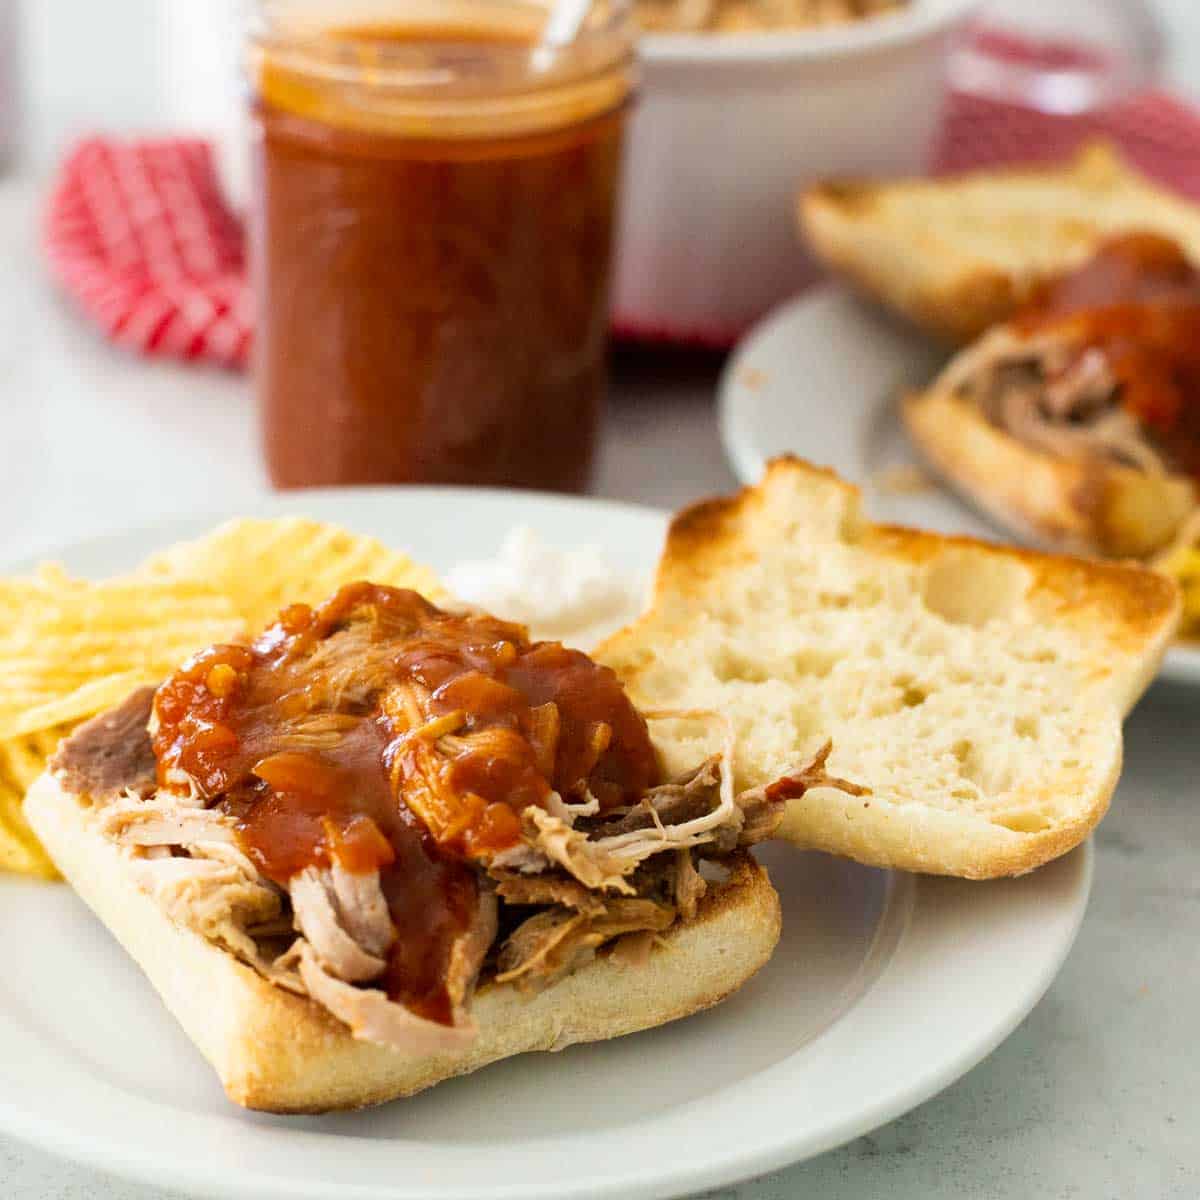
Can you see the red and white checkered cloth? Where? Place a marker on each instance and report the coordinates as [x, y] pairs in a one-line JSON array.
[[142, 238], [1158, 133], [139, 234]]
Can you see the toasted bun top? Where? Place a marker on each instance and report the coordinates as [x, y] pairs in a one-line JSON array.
[[961, 252], [976, 690]]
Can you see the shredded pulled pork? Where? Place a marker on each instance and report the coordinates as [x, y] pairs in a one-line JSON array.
[[1102, 362], [110, 755], [363, 908], [371, 1015], [591, 880], [166, 820], [667, 886], [553, 943], [319, 920], [342, 900], [1053, 396], [689, 885], [469, 951], [215, 891], [699, 810], [762, 804], [571, 849], [672, 804], [546, 888]]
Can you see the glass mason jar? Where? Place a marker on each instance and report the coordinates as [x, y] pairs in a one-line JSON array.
[[432, 223]]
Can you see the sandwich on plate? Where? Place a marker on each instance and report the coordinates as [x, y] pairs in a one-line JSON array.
[[384, 841], [1073, 416], [383, 844]]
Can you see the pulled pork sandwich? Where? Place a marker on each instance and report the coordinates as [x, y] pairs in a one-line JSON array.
[[384, 844], [1078, 421]]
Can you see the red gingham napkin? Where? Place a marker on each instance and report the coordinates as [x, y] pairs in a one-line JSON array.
[[1155, 131], [140, 235]]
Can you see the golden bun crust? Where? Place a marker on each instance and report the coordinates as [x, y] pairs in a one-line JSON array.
[[843, 225], [279, 1052], [1076, 505], [976, 690], [958, 254]]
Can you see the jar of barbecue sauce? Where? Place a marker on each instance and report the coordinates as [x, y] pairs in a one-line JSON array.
[[432, 231]]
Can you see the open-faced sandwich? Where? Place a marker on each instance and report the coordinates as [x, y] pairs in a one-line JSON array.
[[1077, 422], [383, 844], [382, 841]]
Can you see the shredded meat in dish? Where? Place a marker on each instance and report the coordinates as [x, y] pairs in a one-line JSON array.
[[378, 805], [741, 16]]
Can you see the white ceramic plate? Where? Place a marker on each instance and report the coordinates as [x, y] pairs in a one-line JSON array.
[[820, 378], [884, 989]]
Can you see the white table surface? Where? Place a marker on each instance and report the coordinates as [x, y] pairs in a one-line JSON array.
[[1095, 1096]]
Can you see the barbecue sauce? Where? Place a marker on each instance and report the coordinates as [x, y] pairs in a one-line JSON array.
[[384, 734], [432, 272], [1137, 301]]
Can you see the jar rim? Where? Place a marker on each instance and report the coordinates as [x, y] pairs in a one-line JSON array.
[[352, 44]]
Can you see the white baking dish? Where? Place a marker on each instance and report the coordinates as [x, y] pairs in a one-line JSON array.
[[729, 126]]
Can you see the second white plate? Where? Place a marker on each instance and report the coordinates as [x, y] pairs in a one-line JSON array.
[[820, 378]]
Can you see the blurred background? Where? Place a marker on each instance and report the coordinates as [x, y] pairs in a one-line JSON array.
[[161, 64], [181, 437]]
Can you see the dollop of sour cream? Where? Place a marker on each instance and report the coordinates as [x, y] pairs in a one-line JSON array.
[[573, 596]]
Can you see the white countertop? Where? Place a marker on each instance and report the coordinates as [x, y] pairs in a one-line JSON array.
[[1093, 1097]]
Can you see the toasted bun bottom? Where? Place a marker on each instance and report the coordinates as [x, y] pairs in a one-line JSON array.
[[1085, 507], [279, 1052]]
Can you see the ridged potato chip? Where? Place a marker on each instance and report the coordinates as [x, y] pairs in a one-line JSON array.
[[20, 851], [19, 847], [69, 649], [23, 759], [24, 594], [265, 565], [86, 700], [1181, 561]]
